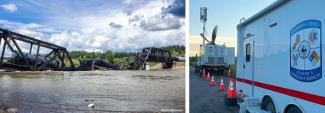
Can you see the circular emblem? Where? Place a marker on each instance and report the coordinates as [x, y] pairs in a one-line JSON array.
[[306, 51]]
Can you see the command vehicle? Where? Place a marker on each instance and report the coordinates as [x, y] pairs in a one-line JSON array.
[[279, 58]]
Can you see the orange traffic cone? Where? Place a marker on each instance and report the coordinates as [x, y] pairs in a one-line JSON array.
[[221, 86], [212, 83], [208, 77], [203, 73], [229, 72], [231, 99], [231, 90]]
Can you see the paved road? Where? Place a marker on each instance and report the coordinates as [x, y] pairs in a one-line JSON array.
[[207, 99]]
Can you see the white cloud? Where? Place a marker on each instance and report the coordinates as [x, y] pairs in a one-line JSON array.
[[127, 1], [118, 39], [9, 7], [31, 29], [107, 29], [161, 22]]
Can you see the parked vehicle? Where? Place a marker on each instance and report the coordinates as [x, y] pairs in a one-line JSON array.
[[213, 58], [280, 58], [216, 58]]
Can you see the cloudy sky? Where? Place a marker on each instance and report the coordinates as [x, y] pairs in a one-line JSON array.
[[224, 13], [98, 25]]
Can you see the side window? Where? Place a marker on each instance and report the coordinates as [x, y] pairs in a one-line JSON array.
[[248, 52]]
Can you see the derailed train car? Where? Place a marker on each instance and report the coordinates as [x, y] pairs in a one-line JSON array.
[[16, 59]]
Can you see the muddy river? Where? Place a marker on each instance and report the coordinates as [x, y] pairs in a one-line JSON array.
[[109, 91]]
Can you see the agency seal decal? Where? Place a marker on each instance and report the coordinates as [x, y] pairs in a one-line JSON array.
[[306, 51]]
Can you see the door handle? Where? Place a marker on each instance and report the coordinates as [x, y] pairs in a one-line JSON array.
[[244, 66]]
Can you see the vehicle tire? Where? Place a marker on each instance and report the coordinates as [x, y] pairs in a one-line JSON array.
[[268, 105], [293, 109]]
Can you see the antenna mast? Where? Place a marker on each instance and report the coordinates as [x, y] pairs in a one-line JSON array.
[[203, 18]]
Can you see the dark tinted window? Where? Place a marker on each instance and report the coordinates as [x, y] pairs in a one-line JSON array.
[[248, 52]]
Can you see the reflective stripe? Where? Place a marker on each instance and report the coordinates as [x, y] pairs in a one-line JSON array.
[[290, 92]]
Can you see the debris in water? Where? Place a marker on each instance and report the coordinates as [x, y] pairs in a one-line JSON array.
[[91, 105]]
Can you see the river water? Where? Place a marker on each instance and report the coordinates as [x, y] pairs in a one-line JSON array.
[[109, 91]]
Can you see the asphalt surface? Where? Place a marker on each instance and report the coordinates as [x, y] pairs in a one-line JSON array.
[[207, 99]]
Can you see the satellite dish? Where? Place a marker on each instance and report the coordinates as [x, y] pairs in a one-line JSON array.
[[214, 34]]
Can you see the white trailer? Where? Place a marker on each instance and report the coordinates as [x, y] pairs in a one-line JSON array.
[[213, 57], [213, 54], [216, 58], [280, 58]]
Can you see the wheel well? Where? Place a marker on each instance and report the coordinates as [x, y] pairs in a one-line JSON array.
[[291, 105], [268, 96]]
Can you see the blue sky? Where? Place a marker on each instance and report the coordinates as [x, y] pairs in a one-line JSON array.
[[224, 13], [98, 25]]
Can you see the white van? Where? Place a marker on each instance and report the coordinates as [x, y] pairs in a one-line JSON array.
[[279, 59]]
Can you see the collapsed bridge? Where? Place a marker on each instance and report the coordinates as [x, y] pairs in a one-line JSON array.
[[152, 54], [54, 60], [58, 58]]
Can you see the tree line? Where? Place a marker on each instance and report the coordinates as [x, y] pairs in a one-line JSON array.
[[175, 50]]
